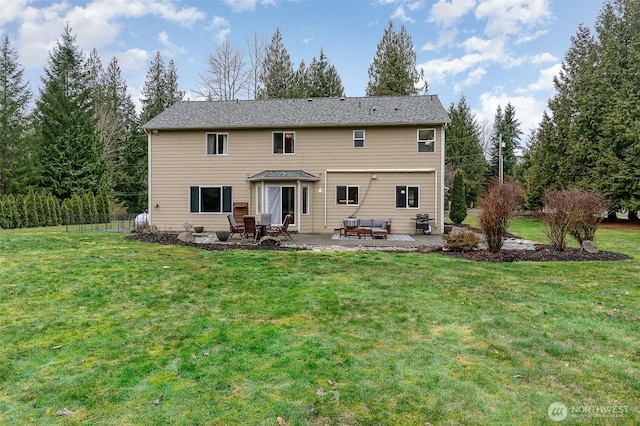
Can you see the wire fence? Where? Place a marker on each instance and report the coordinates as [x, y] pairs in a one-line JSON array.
[[100, 223]]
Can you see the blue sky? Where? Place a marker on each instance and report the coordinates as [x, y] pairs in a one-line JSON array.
[[492, 51]]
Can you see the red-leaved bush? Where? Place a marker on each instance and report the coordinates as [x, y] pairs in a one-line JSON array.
[[497, 204], [576, 212]]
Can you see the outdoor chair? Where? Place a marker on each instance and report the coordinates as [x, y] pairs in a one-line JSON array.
[[250, 230], [276, 231], [234, 228], [265, 220]]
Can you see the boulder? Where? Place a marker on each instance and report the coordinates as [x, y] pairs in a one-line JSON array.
[[187, 237], [269, 241], [589, 247]]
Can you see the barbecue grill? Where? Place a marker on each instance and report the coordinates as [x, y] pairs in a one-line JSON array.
[[422, 223]]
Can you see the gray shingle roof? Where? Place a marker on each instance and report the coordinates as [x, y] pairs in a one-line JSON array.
[[313, 112], [284, 175]]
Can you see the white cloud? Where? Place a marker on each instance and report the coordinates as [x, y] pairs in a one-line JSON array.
[[447, 13], [247, 5], [11, 10], [529, 110], [472, 79], [133, 59], [170, 49], [512, 16], [223, 35], [545, 79], [543, 58], [219, 22], [401, 15]]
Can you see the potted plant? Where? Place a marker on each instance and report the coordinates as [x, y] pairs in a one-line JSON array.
[[222, 235], [198, 229]]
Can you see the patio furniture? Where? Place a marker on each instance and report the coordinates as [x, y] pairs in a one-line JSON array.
[[276, 231], [250, 230], [234, 228], [359, 227]]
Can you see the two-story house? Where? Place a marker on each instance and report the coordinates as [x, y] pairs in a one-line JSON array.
[[320, 160]]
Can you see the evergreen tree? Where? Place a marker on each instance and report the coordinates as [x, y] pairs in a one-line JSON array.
[[591, 139], [3, 220], [463, 148], [153, 93], [458, 210], [125, 146], [15, 96], [393, 69], [160, 89], [70, 155], [506, 130], [277, 76], [300, 83], [323, 79]]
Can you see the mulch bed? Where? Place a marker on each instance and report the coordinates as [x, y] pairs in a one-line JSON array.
[[542, 253], [171, 239]]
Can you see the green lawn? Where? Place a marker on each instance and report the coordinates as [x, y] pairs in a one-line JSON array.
[[103, 326]]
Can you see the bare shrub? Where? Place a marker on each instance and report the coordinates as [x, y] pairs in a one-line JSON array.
[[497, 204], [590, 210], [463, 241], [575, 212], [557, 216]]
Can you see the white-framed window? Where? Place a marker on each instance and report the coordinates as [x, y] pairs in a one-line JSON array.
[[210, 199], [305, 199], [347, 195], [426, 140], [407, 197], [358, 138], [284, 142], [217, 144]]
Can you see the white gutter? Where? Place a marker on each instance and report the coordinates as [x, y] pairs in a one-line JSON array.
[[327, 171]]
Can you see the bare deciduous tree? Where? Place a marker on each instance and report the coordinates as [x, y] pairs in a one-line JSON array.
[[256, 57], [226, 76]]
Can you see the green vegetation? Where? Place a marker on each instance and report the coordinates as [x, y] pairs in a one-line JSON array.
[[104, 326]]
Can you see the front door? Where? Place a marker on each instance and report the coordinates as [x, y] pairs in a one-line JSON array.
[[280, 201]]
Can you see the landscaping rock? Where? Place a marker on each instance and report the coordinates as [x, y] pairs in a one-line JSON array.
[[589, 247], [187, 237], [269, 241]]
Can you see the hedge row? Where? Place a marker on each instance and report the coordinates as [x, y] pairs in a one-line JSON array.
[[41, 208]]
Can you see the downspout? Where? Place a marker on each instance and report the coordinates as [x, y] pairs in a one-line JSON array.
[[326, 178], [442, 182], [299, 206], [149, 206]]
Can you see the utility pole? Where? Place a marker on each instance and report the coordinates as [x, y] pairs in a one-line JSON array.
[[500, 160]]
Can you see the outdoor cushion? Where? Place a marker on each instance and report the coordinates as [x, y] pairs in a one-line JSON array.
[[366, 223]]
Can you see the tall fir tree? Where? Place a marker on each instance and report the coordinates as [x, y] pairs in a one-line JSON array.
[[323, 79], [16, 170], [126, 146], [464, 150], [277, 75], [506, 130], [70, 155], [591, 139], [393, 69], [160, 89]]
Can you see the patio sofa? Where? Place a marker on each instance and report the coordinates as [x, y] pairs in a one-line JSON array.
[[372, 227]]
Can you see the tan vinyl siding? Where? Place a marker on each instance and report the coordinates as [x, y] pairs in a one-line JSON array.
[[179, 160]]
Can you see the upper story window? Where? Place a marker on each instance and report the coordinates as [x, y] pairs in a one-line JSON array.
[[347, 195], [358, 138], [217, 144], [284, 142], [426, 140]]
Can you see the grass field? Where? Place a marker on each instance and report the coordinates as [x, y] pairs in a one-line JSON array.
[[103, 326]]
